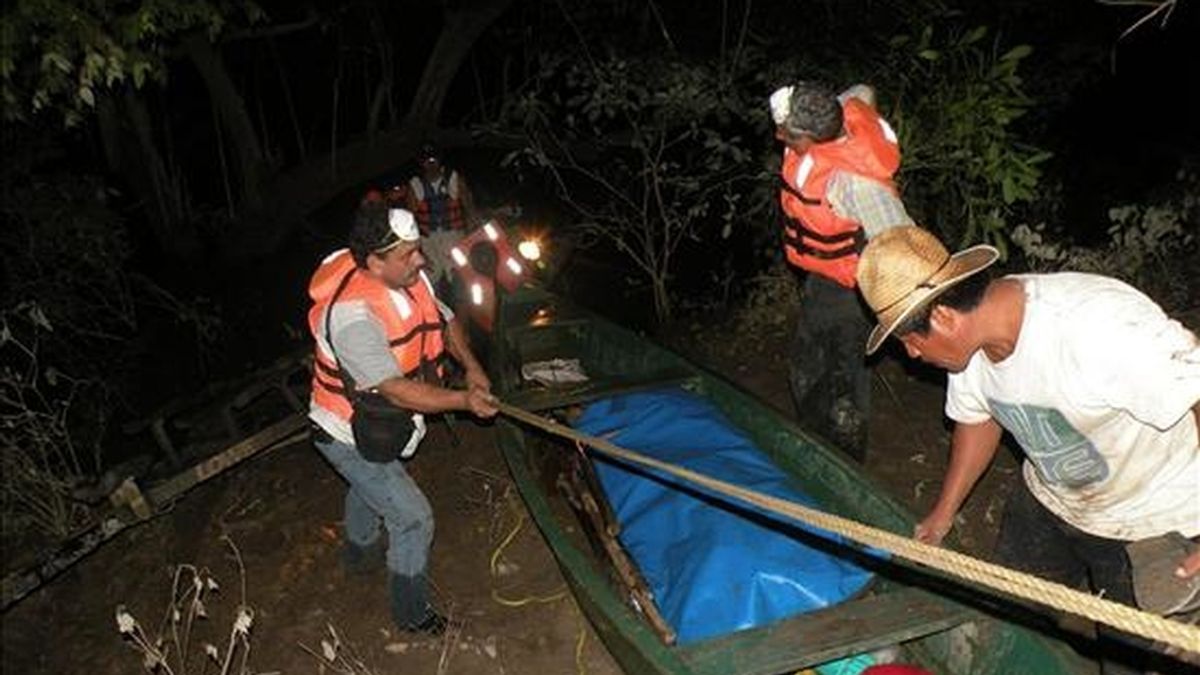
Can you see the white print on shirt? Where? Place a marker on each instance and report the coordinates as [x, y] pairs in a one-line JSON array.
[[1061, 455]]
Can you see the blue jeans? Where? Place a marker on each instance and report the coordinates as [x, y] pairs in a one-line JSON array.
[[383, 493]]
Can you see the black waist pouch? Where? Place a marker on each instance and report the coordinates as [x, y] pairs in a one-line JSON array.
[[381, 430]]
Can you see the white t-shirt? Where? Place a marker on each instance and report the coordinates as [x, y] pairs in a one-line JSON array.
[[1098, 393]]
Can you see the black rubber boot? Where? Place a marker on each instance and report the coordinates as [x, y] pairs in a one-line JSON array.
[[410, 599], [434, 624], [410, 606], [361, 560]]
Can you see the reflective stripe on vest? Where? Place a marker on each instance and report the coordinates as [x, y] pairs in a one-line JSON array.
[[437, 208], [410, 318]]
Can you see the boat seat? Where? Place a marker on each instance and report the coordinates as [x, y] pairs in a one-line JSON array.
[[560, 396], [854, 627]]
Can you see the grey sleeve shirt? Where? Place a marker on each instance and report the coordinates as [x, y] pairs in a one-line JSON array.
[[361, 345]]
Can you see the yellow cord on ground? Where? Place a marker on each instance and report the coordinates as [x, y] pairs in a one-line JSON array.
[[528, 600], [580, 664], [996, 577], [492, 567], [505, 542]]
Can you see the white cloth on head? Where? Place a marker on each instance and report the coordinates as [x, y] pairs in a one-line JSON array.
[[781, 104], [403, 224], [1098, 393]]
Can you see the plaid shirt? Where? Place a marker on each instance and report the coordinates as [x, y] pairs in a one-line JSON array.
[[866, 202]]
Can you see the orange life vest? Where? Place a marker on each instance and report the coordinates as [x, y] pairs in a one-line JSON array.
[[487, 245], [410, 317], [437, 207], [814, 237]]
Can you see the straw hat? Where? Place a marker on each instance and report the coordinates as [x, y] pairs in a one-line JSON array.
[[903, 269]]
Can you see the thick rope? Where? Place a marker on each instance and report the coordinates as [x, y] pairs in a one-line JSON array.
[[995, 577]]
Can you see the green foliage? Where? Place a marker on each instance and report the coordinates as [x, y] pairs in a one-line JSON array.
[[646, 153], [957, 100], [1153, 246], [61, 54]]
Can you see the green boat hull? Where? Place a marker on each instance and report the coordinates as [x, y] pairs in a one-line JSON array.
[[953, 630]]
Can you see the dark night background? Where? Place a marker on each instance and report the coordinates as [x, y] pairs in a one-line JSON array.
[[174, 171], [1115, 114]]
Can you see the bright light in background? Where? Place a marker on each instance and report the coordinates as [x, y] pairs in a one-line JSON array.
[[530, 249], [477, 294], [513, 265]]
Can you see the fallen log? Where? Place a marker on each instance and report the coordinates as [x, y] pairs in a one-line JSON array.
[[131, 506]]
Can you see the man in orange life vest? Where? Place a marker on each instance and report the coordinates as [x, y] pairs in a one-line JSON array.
[[379, 327], [836, 192], [444, 208]]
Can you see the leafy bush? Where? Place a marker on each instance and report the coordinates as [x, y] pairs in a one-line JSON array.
[[42, 462], [79, 50], [648, 154], [1152, 246], [71, 316], [957, 97]]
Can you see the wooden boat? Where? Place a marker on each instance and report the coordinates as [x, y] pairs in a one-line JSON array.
[[938, 625]]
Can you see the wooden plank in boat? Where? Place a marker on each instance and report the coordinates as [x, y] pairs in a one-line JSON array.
[[853, 627], [595, 389]]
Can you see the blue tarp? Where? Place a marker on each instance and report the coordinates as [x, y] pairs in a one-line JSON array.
[[714, 567]]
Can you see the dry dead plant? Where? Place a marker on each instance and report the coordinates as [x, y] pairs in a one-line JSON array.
[[168, 652], [338, 656], [450, 640], [488, 493], [40, 463]]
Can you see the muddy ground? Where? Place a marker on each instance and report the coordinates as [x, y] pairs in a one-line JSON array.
[[492, 569]]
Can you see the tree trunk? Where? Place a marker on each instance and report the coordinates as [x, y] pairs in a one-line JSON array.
[[287, 97], [382, 97], [662, 300], [234, 118], [378, 102], [462, 28], [308, 187], [133, 152]]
